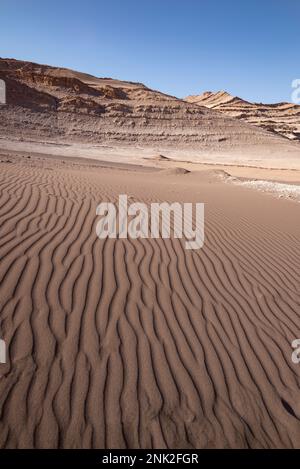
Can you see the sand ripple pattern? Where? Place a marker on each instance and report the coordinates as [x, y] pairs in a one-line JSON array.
[[139, 343]]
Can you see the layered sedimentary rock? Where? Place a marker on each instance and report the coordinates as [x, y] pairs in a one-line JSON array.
[[47, 103], [281, 118]]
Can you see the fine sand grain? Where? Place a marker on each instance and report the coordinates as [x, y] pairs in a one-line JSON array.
[[141, 343]]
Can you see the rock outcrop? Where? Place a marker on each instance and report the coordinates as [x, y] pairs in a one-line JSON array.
[[281, 118], [55, 104]]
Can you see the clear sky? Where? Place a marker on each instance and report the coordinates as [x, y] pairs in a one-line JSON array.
[[250, 48]]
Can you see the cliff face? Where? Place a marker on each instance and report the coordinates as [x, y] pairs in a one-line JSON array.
[[48, 103], [281, 118]]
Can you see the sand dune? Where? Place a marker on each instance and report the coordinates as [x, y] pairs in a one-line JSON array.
[[139, 343]]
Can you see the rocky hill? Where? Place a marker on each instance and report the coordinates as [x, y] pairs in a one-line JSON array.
[[281, 118], [55, 104]]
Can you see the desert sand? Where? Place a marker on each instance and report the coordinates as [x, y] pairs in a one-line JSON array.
[[139, 343]]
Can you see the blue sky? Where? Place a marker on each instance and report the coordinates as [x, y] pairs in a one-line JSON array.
[[250, 48]]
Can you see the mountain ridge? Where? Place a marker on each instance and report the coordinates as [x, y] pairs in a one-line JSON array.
[[57, 104], [281, 118]]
